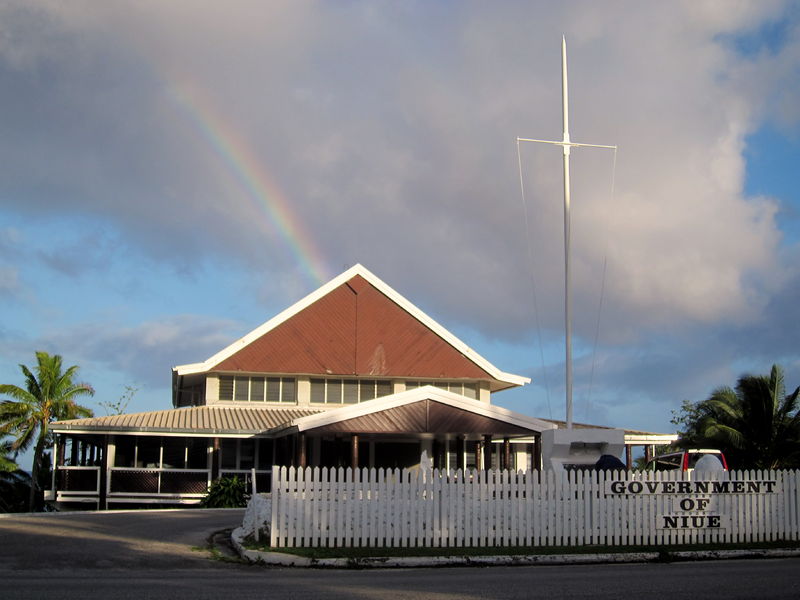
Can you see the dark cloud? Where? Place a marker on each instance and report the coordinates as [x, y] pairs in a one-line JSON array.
[[200, 136], [403, 155]]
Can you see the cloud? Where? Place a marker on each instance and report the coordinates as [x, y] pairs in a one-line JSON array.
[[146, 352], [9, 274], [9, 280], [387, 134]]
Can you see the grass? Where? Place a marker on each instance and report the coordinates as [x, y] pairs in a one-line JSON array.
[[664, 551]]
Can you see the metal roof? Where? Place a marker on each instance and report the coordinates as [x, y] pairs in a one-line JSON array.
[[355, 325], [196, 420], [421, 409], [427, 409], [382, 414], [632, 436]]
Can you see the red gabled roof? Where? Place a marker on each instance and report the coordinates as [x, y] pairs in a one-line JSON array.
[[353, 330], [355, 325]]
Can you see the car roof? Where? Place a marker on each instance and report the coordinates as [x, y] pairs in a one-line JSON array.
[[692, 451]]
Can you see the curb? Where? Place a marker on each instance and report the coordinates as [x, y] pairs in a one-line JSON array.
[[280, 559]]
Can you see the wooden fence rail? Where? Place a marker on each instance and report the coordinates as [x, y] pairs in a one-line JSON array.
[[445, 508]]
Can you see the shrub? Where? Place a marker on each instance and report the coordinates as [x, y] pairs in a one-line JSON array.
[[226, 492]]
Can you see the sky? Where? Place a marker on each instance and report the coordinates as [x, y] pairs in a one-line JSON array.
[[173, 174]]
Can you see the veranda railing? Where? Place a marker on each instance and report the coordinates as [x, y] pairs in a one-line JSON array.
[[132, 481]]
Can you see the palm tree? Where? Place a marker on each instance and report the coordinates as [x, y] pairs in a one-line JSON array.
[[756, 425], [49, 395], [14, 482], [7, 456]]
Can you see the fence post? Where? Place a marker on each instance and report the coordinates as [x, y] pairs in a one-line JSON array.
[[276, 498], [256, 533]]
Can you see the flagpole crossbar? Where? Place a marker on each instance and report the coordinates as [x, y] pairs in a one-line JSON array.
[[572, 144]]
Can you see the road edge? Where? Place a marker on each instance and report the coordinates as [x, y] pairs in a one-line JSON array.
[[280, 559]]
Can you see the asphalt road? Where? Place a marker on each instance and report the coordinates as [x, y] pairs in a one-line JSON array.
[[150, 555], [142, 539]]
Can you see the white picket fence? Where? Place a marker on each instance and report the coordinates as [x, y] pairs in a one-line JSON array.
[[438, 508]]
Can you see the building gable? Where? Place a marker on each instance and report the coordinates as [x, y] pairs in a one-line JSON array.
[[423, 410], [355, 325], [354, 330], [318, 339], [424, 416]]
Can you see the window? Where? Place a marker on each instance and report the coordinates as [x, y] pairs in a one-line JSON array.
[[334, 393], [148, 453], [247, 454], [472, 448], [470, 390], [264, 454], [257, 389], [226, 388], [371, 389], [241, 389], [348, 391], [241, 454], [452, 454], [318, 391], [288, 390], [196, 453], [228, 448], [125, 451], [192, 395], [166, 452], [174, 453]]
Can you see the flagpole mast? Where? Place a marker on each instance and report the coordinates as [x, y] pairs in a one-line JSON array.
[[567, 223], [566, 144]]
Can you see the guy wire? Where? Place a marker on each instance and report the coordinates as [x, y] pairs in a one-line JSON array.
[[602, 293], [533, 280]]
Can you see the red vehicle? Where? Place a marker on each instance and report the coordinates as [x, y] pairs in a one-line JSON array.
[[684, 461]]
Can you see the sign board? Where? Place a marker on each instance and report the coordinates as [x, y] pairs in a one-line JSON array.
[[691, 504]]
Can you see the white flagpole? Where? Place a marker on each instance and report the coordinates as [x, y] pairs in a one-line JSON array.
[[567, 223], [566, 144]]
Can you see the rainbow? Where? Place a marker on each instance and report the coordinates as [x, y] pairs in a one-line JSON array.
[[237, 154]]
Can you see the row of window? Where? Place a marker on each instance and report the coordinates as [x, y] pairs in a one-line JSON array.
[[242, 388], [348, 391], [470, 390], [190, 453], [258, 389], [161, 453], [244, 454]]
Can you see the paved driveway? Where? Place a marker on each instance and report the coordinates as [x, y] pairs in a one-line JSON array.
[[143, 539]]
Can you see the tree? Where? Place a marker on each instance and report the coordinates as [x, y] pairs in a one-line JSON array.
[[8, 456], [14, 482], [49, 395], [756, 425], [119, 407]]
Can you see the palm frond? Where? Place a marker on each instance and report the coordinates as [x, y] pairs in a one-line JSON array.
[[725, 434], [756, 423]]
